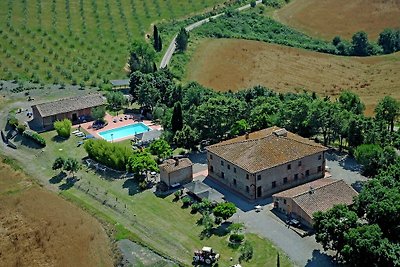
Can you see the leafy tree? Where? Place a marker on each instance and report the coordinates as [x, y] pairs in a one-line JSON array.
[[351, 102], [379, 201], [98, 113], [239, 127], [360, 44], [215, 117], [388, 40], [336, 40], [182, 40], [141, 57], [224, 210], [141, 162], [177, 118], [161, 149], [369, 156], [72, 166], [295, 113], [63, 128], [58, 163], [388, 110], [323, 117], [116, 100], [330, 226], [148, 94], [365, 246], [187, 137], [355, 131]]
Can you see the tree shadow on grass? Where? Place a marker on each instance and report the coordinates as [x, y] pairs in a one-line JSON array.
[[27, 142], [58, 139], [68, 183], [132, 186], [57, 178]]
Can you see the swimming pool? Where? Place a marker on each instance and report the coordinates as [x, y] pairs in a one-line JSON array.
[[125, 131]]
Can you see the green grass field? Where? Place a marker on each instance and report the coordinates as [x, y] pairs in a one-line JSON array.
[[79, 41], [157, 222]]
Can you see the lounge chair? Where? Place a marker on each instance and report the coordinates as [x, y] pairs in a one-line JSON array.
[[80, 134], [75, 132], [80, 143]]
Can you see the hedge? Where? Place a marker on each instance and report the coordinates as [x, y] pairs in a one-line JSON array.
[[35, 137]]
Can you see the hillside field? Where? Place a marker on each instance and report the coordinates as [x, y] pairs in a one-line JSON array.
[[79, 41], [328, 18], [38, 228], [229, 64]]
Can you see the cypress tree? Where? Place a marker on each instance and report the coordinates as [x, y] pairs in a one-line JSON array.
[[177, 118], [156, 39], [182, 40]]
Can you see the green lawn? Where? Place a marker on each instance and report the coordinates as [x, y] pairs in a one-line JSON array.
[[80, 41], [157, 222]]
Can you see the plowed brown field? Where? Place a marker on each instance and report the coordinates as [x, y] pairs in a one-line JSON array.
[[38, 228], [229, 64], [328, 18]]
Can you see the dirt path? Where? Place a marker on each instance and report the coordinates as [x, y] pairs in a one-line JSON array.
[[172, 46]]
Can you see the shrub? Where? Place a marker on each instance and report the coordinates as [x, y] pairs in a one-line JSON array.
[[253, 3], [236, 238], [63, 128], [186, 201], [35, 137], [112, 155], [178, 194], [195, 207], [13, 122], [21, 128], [246, 252]]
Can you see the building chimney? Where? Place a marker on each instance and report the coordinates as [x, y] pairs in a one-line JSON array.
[[311, 191], [280, 132]]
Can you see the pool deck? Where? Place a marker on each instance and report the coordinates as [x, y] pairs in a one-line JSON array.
[[119, 123]]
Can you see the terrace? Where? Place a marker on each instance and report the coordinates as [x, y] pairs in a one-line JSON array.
[[115, 122]]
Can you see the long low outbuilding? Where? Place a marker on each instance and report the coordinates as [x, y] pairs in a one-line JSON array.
[[77, 109], [303, 201]]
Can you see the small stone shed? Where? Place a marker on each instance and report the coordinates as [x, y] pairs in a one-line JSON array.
[[175, 172]]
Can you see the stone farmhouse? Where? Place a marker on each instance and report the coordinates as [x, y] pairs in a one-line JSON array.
[[76, 109], [259, 164], [303, 201]]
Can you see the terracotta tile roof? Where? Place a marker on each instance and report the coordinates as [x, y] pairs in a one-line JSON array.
[[301, 189], [327, 193], [170, 164], [265, 149], [70, 104]]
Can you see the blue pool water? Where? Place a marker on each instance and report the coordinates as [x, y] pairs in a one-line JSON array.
[[125, 131]]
